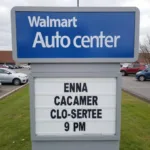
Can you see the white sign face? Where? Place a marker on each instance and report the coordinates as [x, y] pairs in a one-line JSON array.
[[75, 106]]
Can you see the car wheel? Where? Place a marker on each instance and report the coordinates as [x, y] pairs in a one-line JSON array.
[[141, 78], [123, 73], [16, 82]]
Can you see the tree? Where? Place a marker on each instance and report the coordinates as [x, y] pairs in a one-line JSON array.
[[145, 50]]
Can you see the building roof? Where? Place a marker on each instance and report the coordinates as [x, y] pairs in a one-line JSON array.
[[6, 57]]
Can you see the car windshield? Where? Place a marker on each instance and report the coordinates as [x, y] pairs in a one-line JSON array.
[[148, 69]]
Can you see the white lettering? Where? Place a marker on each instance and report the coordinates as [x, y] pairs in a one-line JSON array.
[[75, 42], [42, 23], [109, 39], [58, 37], [74, 22], [37, 21], [64, 23], [52, 45], [96, 41], [67, 41], [57, 40], [38, 40], [101, 38], [55, 22], [116, 40], [85, 40], [34, 21]]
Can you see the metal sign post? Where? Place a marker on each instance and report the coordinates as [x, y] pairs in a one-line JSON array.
[[75, 88]]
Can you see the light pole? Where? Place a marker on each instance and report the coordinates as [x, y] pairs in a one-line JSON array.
[[77, 3]]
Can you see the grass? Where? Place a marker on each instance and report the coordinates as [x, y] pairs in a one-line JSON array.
[[14, 121], [135, 132], [15, 125]]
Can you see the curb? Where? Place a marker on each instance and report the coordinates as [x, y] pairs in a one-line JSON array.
[[141, 97], [9, 93]]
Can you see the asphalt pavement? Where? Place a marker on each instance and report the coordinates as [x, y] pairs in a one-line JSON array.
[[7, 88], [140, 89], [23, 70], [129, 84]]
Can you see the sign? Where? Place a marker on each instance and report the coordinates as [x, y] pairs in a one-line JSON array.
[[75, 34], [75, 106], [79, 98]]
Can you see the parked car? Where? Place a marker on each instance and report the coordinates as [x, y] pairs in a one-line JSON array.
[[19, 66], [143, 75], [5, 66], [11, 76], [15, 66], [1, 66], [147, 65], [125, 64], [0, 84], [11, 67], [131, 69], [26, 66]]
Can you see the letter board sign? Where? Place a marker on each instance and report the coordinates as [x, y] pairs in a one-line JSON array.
[[75, 34], [75, 106]]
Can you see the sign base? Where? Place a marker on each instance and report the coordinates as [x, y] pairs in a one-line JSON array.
[[77, 71], [75, 145]]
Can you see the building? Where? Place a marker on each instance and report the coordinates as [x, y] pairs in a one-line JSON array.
[[6, 57]]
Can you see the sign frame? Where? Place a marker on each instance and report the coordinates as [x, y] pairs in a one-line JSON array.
[[85, 137], [75, 9]]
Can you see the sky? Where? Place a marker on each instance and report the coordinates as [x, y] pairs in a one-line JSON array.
[[6, 5]]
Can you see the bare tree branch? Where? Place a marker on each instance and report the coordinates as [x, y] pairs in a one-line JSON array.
[[145, 50]]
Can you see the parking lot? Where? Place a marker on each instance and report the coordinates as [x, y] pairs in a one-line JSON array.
[[141, 89], [129, 83], [6, 88]]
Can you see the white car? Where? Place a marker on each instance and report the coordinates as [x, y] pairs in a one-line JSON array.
[[0, 84], [26, 66], [5, 66], [11, 76]]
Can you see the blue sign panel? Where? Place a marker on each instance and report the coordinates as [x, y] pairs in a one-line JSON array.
[[53, 35]]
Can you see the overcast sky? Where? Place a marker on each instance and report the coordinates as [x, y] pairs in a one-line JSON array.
[[6, 5]]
